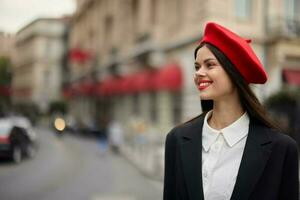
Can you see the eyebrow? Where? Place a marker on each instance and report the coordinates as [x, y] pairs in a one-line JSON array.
[[205, 61]]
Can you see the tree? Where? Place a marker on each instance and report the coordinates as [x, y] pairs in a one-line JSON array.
[[284, 107], [5, 71], [5, 82]]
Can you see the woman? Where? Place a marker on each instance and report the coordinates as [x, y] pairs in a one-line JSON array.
[[232, 150]]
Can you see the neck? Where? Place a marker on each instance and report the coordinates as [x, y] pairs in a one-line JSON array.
[[225, 112]]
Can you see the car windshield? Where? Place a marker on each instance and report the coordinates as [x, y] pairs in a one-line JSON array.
[[4, 128]]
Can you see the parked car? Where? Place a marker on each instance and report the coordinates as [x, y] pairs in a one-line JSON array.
[[17, 138]]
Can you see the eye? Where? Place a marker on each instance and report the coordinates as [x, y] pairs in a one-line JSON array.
[[210, 65], [197, 67]]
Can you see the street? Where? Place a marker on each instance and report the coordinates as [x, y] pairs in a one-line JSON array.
[[73, 168]]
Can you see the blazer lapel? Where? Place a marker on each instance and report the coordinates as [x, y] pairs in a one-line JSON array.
[[191, 154], [254, 159]]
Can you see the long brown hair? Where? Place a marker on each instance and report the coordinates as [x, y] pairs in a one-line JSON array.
[[247, 97]]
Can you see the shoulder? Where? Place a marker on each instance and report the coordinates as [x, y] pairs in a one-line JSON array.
[[280, 139], [185, 129], [286, 148], [282, 146]]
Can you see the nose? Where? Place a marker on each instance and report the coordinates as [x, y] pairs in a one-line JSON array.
[[200, 72]]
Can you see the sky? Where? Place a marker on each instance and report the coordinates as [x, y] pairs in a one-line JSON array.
[[15, 14]]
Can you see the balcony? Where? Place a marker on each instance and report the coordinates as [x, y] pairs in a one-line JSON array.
[[280, 27]]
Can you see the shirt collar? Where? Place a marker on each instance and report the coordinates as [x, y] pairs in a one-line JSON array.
[[237, 130], [209, 135], [232, 133]]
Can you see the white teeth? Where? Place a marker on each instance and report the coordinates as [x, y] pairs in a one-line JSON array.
[[204, 84]]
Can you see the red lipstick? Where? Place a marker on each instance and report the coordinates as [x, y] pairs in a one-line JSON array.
[[203, 84]]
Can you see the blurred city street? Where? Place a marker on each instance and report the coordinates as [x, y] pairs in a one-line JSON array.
[[74, 168], [120, 75]]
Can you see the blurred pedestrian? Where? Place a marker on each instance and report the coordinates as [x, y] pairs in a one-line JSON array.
[[232, 150], [115, 135], [103, 135]]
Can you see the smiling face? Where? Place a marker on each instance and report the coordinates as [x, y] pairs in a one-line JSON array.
[[210, 78]]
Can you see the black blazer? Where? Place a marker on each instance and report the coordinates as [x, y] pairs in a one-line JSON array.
[[268, 170]]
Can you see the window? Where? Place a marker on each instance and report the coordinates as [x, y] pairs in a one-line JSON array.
[[154, 12], [178, 12], [174, 13], [243, 9], [153, 107], [291, 16], [176, 107], [108, 30], [47, 77], [135, 16], [291, 7], [47, 49], [136, 104]]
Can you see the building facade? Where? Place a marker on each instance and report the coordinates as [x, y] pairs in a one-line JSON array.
[[38, 62], [6, 55], [6, 44], [134, 61]]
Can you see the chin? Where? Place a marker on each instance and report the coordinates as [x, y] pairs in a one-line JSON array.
[[205, 97]]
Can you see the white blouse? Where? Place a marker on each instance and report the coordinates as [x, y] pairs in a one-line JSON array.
[[221, 157]]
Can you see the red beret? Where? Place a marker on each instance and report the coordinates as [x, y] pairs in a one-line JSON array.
[[238, 51]]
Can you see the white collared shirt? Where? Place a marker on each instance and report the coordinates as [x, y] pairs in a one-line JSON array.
[[222, 152]]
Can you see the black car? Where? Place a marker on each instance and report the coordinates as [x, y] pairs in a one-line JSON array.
[[17, 139]]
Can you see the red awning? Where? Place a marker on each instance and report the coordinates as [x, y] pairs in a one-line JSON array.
[[75, 87], [126, 84], [143, 81], [67, 92], [291, 76], [166, 78], [108, 87], [169, 78], [22, 92], [86, 88], [79, 55], [71, 90], [5, 90]]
